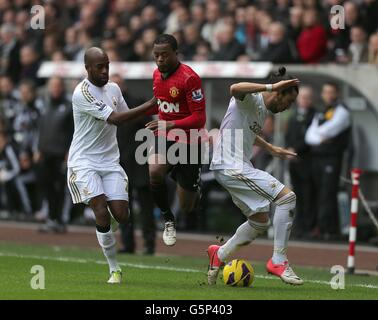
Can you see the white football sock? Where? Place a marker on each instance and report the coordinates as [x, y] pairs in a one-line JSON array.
[[244, 235], [107, 242], [282, 223]]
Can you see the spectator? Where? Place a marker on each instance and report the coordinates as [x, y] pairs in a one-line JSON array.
[[358, 51], [281, 11], [125, 45], [9, 169], [29, 64], [197, 14], [9, 52], [191, 39], [240, 29], [342, 35], [126, 9], [373, 49], [203, 51], [213, 24], [50, 45], [8, 102], [28, 110], [280, 49], [369, 9], [27, 182], [71, 47], [150, 18], [141, 52], [251, 29], [178, 17], [229, 48], [328, 136], [111, 24], [312, 41], [55, 135], [295, 23], [139, 188], [264, 20], [300, 167]]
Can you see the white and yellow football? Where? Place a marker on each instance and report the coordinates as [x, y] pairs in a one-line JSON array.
[[238, 273]]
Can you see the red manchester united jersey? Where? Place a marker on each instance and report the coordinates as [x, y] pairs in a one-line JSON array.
[[180, 98]]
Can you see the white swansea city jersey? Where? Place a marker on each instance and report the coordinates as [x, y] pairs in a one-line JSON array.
[[242, 122], [94, 144]]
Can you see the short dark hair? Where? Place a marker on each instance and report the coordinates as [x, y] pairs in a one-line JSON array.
[[282, 75], [167, 39]]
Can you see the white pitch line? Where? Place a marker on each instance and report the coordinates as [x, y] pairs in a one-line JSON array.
[[143, 266]]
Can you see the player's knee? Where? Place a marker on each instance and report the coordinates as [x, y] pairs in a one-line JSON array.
[[288, 201], [100, 209]]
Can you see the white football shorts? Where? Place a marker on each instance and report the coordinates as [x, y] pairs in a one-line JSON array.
[[85, 184], [252, 190]]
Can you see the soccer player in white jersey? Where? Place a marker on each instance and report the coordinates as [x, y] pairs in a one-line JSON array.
[[94, 175], [253, 190]]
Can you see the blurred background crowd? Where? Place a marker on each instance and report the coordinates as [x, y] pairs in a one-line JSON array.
[[280, 31], [35, 115]]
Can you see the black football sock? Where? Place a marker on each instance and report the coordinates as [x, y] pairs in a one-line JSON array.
[[160, 194]]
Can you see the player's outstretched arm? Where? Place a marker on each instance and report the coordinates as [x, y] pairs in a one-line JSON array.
[[274, 150], [119, 118], [239, 90]]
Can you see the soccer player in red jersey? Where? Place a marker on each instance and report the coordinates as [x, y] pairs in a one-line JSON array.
[[180, 105]]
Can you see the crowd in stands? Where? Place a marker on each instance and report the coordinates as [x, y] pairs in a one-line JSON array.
[[281, 31]]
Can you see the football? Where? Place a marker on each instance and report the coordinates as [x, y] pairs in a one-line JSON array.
[[238, 273]]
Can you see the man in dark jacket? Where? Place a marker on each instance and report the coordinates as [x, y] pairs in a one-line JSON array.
[[279, 49], [229, 48], [55, 135], [300, 167], [328, 136]]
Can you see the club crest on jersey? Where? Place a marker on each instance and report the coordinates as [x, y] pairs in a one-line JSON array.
[[197, 95], [174, 92]]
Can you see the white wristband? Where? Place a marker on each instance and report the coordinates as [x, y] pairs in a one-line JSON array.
[[269, 87]]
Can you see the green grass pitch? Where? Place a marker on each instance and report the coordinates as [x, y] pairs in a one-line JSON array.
[[72, 273]]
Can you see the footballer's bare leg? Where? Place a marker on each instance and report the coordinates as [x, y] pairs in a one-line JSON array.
[[119, 210], [158, 171], [278, 265], [105, 236]]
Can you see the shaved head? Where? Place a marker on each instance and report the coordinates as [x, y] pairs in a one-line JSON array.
[[97, 65], [92, 54]]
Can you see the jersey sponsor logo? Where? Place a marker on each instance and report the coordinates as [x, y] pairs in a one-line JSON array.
[[255, 128], [197, 95], [168, 107], [174, 92]]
